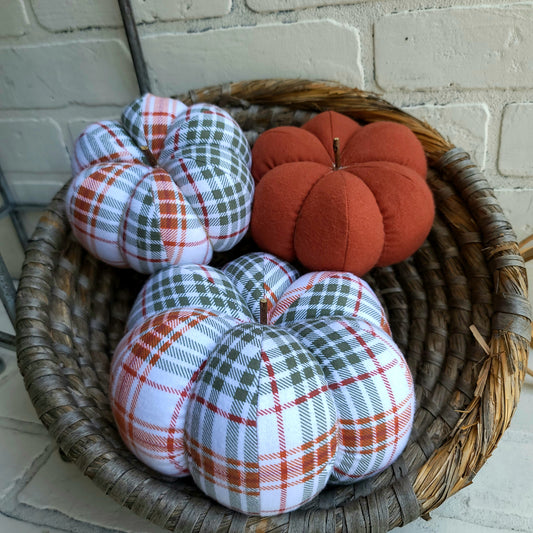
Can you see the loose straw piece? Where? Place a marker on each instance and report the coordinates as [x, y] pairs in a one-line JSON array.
[[479, 338]]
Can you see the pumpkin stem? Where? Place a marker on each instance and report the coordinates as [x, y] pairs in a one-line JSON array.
[[336, 152], [263, 311], [151, 159]]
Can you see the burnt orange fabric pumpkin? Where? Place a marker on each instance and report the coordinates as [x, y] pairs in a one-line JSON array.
[[336, 195]]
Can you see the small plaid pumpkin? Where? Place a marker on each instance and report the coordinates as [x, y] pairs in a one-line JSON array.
[[262, 415], [167, 184]]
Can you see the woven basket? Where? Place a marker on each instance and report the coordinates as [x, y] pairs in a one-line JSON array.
[[458, 310]]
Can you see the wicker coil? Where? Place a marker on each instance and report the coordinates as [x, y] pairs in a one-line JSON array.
[[458, 310]]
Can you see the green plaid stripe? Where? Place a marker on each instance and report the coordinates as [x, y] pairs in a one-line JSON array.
[[151, 376], [260, 275], [131, 118], [105, 142], [219, 187], [328, 294], [261, 427], [206, 124], [160, 228], [372, 389], [187, 286]]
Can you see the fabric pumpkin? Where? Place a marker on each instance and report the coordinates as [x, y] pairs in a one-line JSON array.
[[167, 184], [349, 204], [262, 415]]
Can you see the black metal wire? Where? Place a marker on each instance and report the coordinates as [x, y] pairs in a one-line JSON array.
[[10, 205], [137, 55], [6, 341]]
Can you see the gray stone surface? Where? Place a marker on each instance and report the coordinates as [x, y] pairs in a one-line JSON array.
[[76, 496], [19, 451]]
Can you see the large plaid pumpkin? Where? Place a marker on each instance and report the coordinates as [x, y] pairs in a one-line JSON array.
[[167, 184], [262, 415]]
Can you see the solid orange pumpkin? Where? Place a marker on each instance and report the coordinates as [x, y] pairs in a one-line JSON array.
[[349, 205]]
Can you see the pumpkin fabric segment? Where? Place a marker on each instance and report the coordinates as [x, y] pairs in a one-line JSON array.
[[167, 184], [262, 415], [339, 196]]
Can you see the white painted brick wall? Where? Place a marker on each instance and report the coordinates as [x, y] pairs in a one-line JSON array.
[[488, 47], [220, 56], [465, 66], [163, 10], [516, 147], [13, 20], [279, 5], [465, 125], [67, 15], [53, 75], [32, 145]]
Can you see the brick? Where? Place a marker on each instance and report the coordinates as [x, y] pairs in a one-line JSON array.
[[465, 125], [318, 49], [89, 72], [78, 497], [36, 188], [14, 20], [65, 15], [32, 145], [516, 142], [517, 204], [154, 10], [284, 5], [456, 47], [19, 451]]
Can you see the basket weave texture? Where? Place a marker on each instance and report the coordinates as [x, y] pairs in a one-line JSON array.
[[71, 311]]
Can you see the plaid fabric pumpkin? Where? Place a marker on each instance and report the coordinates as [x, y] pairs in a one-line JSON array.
[[167, 184], [262, 416]]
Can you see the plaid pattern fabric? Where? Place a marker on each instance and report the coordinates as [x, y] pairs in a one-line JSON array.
[[105, 142], [149, 118], [219, 187], [208, 125], [94, 204], [197, 199], [372, 388], [159, 226], [198, 286], [261, 425], [151, 376], [260, 275], [329, 294], [263, 416]]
